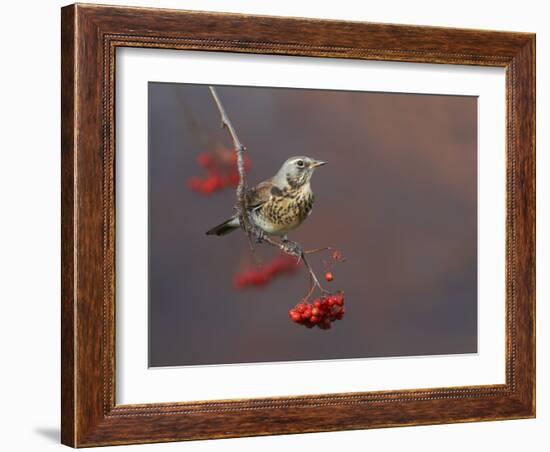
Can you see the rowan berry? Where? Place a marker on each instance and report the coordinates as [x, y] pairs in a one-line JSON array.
[[322, 312]]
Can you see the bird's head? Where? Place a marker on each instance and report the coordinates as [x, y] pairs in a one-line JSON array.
[[297, 171]]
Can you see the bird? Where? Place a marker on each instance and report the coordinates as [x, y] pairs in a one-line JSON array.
[[280, 204]]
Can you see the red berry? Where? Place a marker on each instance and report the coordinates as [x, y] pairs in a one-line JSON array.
[[295, 316], [194, 183], [211, 184], [204, 159], [321, 313], [328, 276], [261, 278], [233, 178]]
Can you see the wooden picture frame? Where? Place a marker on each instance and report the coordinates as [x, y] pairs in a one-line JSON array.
[[90, 36]]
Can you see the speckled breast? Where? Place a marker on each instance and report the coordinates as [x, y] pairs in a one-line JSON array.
[[284, 213]]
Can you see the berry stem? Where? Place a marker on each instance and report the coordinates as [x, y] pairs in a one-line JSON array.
[[318, 250], [313, 278]]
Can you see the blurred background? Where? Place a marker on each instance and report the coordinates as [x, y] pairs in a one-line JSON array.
[[398, 199]]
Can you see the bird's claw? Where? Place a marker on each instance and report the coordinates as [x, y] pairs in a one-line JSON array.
[[259, 235], [292, 248]]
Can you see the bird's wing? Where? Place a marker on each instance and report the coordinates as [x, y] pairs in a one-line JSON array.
[[258, 195]]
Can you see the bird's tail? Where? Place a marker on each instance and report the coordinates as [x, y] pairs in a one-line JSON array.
[[225, 228]]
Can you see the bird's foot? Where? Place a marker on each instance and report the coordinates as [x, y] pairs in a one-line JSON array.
[[260, 235], [293, 248]]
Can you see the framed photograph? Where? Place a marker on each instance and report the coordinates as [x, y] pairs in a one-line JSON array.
[[281, 225]]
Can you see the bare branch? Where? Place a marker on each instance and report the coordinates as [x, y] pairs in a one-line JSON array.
[[241, 205], [312, 274], [226, 122], [288, 247], [239, 148], [294, 249]]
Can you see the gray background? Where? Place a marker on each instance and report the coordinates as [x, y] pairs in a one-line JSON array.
[[398, 197]]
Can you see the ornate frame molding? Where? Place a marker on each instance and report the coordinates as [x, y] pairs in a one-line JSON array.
[[90, 37]]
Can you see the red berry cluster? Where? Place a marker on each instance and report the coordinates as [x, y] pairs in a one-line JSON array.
[[322, 312], [221, 171], [260, 277]]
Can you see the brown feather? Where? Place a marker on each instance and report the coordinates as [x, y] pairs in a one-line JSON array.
[[260, 194]]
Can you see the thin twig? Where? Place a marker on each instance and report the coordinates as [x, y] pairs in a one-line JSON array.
[[318, 250], [313, 277], [239, 148], [241, 204]]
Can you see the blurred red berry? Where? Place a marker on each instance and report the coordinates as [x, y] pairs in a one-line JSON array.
[[233, 178], [259, 277], [337, 256], [204, 159], [222, 171], [194, 183], [328, 276], [211, 184]]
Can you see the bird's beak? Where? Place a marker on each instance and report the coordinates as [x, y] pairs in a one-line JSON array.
[[317, 163]]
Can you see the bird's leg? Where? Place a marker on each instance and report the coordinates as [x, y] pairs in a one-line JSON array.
[[288, 246], [293, 248], [260, 235], [296, 250]]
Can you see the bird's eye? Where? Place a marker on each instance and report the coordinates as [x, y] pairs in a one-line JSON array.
[[300, 163]]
